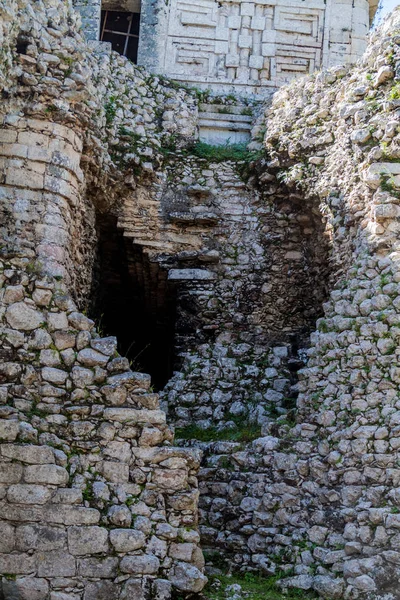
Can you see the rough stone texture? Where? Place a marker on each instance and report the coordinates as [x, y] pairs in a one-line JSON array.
[[252, 247], [244, 47]]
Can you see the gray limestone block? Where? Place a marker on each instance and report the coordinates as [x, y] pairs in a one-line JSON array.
[[10, 472], [87, 540], [64, 514], [25, 588], [103, 590], [127, 540], [91, 358], [28, 494], [98, 567], [40, 537], [57, 563], [144, 564], [34, 455], [51, 474], [7, 537], [17, 564], [134, 588], [8, 430], [23, 317], [187, 578]]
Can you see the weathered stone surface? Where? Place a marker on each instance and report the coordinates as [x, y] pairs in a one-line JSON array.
[[51, 474], [21, 316], [58, 563], [28, 453], [187, 578], [146, 564], [127, 540], [28, 494], [87, 540], [25, 588], [8, 430]]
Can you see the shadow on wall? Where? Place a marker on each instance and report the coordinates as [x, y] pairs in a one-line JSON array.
[[134, 301]]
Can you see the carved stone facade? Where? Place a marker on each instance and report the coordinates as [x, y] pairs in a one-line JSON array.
[[249, 47]]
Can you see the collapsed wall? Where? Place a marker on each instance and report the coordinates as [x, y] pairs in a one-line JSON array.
[[95, 500], [320, 498], [103, 189]]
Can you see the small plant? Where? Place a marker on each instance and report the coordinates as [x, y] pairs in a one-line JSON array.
[[255, 587], [110, 110], [245, 433], [394, 93]]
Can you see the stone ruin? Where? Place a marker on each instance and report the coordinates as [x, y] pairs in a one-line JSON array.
[[258, 286]]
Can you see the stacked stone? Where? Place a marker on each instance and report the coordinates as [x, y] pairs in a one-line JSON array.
[[230, 383], [328, 498], [95, 500]]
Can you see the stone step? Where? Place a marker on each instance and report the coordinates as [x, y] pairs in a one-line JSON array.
[[225, 117], [237, 109], [187, 218], [224, 124]]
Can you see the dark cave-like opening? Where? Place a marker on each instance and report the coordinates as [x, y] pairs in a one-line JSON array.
[[135, 302]]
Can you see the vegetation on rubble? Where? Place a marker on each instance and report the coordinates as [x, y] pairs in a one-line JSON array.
[[254, 587], [246, 432]]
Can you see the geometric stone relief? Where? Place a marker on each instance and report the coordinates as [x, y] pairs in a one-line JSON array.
[[244, 42]]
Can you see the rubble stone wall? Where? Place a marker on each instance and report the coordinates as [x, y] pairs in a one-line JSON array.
[[96, 501]]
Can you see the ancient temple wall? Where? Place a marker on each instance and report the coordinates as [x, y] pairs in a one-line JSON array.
[[250, 47]]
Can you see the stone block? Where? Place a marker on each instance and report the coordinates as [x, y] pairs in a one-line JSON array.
[[52, 375], [71, 515], [232, 60], [23, 317], [256, 62], [170, 479], [51, 474], [187, 578], [135, 588], [182, 551], [67, 496], [245, 41], [28, 494], [57, 563], [40, 537], [7, 538], [127, 540], [25, 588], [118, 450], [82, 377], [103, 590], [28, 453], [10, 473], [91, 358], [247, 9], [87, 540], [8, 430], [234, 21], [102, 568], [57, 321], [144, 564], [115, 472], [17, 564]]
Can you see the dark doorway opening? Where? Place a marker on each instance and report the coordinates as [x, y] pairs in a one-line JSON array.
[[121, 29], [135, 302]]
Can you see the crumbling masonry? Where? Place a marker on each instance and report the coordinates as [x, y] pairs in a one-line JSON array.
[[259, 287]]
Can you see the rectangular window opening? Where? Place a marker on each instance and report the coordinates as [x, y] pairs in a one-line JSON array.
[[121, 29]]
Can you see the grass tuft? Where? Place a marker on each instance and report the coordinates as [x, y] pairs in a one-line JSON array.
[[255, 587], [245, 433]]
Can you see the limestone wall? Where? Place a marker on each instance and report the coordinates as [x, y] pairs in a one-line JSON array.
[[86, 137], [249, 47], [321, 495], [95, 500]]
